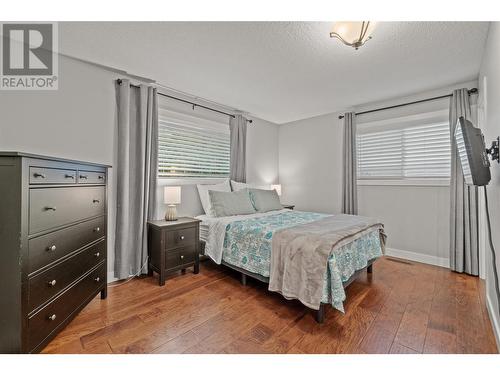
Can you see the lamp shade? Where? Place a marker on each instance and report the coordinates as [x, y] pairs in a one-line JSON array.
[[172, 195], [277, 188], [353, 34]]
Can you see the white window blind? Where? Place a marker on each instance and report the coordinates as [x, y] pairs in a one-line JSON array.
[[404, 152], [191, 147]]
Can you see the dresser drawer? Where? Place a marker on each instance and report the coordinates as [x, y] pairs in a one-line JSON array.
[[46, 285], [180, 237], [48, 248], [178, 257], [41, 324], [53, 207], [90, 177], [52, 176]]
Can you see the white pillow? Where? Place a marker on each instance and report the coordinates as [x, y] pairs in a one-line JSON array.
[[232, 203], [203, 193], [265, 200], [241, 185], [238, 185]]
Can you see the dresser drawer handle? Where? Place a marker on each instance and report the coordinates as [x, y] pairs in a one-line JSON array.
[[52, 317], [50, 208], [97, 229], [83, 176], [95, 201], [69, 176], [52, 283], [52, 248], [182, 257], [100, 177], [182, 238], [97, 255], [97, 279], [41, 175]]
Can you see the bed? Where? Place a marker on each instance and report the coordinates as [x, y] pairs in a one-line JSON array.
[[246, 244]]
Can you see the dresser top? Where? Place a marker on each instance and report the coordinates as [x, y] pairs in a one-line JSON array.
[[44, 157]]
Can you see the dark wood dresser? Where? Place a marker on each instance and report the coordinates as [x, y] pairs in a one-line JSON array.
[[173, 246], [52, 245]]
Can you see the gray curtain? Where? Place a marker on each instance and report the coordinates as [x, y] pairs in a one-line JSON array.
[[350, 186], [238, 130], [136, 175], [464, 239]]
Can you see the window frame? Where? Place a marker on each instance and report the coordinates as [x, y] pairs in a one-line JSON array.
[[438, 116], [198, 121]]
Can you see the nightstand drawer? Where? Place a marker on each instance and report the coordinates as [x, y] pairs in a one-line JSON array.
[[180, 237], [172, 246], [178, 257]]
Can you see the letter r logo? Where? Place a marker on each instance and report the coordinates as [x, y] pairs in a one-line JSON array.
[[27, 49]]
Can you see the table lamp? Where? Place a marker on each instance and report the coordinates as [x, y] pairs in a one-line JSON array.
[[172, 197], [277, 188]]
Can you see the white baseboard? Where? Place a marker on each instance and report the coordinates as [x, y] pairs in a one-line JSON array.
[[417, 257], [494, 321], [112, 278]]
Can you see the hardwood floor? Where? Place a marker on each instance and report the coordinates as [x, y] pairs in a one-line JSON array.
[[400, 308]]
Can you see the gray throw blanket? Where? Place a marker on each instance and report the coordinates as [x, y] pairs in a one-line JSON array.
[[300, 254]]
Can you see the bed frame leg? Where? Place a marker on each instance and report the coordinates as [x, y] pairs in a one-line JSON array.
[[369, 269], [243, 279], [320, 314]]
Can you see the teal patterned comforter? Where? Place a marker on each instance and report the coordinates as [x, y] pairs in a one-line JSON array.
[[247, 244]]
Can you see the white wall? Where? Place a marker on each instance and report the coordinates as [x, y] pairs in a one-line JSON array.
[[310, 163], [489, 84], [416, 219], [78, 121], [310, 166]]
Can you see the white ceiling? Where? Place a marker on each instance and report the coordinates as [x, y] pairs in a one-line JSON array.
[[283, 71]]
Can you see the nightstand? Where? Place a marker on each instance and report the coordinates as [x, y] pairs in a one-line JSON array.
[[173, 246], [289, 206]]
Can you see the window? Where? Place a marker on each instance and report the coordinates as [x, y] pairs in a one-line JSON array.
[[189, 146], [404, 150]]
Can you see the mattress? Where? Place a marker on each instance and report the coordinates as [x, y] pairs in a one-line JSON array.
[[245, 242], [204, 228]]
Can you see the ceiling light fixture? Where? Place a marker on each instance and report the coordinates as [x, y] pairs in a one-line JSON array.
[[353, 34]]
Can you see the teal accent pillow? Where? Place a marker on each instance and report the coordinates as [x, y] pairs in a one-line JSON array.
[[265, 200], [230, 203]]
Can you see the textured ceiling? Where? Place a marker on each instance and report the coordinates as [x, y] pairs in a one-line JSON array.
[[283, 71]]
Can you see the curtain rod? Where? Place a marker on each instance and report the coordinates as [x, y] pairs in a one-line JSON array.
[[471, 91], [119, 81]]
